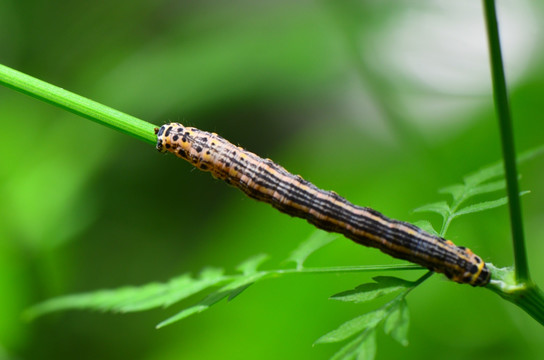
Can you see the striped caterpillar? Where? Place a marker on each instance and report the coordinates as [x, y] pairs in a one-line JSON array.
[[264, 180]]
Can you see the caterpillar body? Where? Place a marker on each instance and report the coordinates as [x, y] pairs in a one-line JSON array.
[[264, 180]]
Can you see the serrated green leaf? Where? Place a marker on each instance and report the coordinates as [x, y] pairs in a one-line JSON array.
[[353, 326], [208, 301], [131, 298], [210, 273], [441, 208], [486, 188], [230, 290], [530, 154], [456, 191], [243, 280], [349, 351], [484, 174], [461, 193], [485, 205], [182, 315], [396, 324], [426, 226], [234, 293], [392, 281], [205, 304], [362, 347], [177, 290], [366, 292], [367, 350], [495, 170], [305, 249], [250, 266]]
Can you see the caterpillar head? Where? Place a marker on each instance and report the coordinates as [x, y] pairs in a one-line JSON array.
[[472, 269], [160, 141]]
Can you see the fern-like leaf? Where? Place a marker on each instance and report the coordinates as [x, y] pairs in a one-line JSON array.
[[396, 324], [480, 182], [304, 250], [366, 292], [427, 226], [484, 205], [230, 290], [393, 315], [441, 208], [362, 345], [353, 326], [133, 298], [250, 266]]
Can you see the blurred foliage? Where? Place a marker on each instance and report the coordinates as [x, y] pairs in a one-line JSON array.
[[318, 86]]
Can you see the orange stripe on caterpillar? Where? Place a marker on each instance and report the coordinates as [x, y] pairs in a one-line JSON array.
[[264, 180]]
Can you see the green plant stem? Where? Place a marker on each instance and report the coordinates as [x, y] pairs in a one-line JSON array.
[[531, 300], [522, 292], [507, 140], [345, 269], [77, 104], [528, 297]]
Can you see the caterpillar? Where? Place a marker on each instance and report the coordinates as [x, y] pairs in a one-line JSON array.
[[266, 181]]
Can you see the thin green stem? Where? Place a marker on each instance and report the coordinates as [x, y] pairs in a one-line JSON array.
[[422, 279], [345, 269], [77, 104], [507, 140], [446, 225]]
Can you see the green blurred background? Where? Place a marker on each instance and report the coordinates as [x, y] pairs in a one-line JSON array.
[[383, 101]]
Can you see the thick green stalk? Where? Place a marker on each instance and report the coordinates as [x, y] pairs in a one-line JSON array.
[[527, 296], [77, 104], [518, 287], [507, 140]]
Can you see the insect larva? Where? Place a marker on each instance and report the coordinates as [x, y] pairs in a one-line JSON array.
[[264, 180]]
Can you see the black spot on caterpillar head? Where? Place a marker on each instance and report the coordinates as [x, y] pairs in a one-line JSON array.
[[159, 132]]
